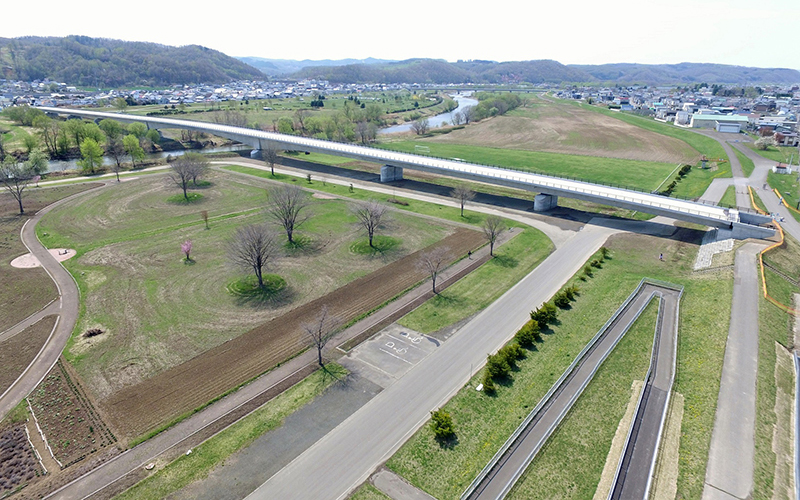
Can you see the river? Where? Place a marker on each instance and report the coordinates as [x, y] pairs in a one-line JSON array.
[[464, 101]]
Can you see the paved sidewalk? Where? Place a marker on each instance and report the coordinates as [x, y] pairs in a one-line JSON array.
[[729, 474]]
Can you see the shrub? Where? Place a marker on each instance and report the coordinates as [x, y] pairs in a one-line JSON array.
[[488, 383], [588, 271], [528, 334], [545, 315], [497, 366], [92, 332], [596, 263], [561, 300], [442, 424], [511, 353]]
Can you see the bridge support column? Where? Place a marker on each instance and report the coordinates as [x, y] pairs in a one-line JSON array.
[[255, 154], [544, 202], [390, 173]]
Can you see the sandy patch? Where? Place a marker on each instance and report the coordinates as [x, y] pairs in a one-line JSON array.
[[29, 260], [323, 196]]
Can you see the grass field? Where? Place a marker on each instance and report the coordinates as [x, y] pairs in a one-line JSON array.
[[512, 262], [789, 188], [368, 492], [729, 198], [204, 458], [747, 164], [25, 291], [483, 424], [555, 126], [576, 452], [776, 153], [158, 312]]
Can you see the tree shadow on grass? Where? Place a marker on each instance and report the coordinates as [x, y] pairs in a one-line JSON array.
[[447, 443], [334, 374], [505, 261], [275, 293], [202, 185], [302, 244]]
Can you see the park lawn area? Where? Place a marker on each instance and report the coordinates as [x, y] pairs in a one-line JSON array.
[[576, 452], [636, 174], [789, 188], [213, 452], [25, 291], [747, 164], [473, 293], [158, 311], [482, 423], [729, 198], [775, 153]]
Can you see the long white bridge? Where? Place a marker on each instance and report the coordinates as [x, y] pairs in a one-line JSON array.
[[742, 224]]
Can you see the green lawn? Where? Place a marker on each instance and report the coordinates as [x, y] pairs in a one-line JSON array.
[[729, 198], [789, 188], [576, 452], [368, 492], [640, 175], [512, 262], [747, 163], [483, 423], [213, 452], [775, 153]]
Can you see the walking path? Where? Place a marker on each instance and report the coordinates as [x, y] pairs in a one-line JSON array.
[[729, 474]]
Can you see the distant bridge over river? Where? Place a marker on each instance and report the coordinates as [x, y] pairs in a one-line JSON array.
[[743, 224]]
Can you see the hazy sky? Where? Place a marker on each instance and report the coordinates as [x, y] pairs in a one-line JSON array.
[[762, 33]]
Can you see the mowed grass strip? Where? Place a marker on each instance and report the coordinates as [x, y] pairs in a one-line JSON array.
[[636, 174], [512, 262], [571, 462], [25, 291], [482, 424], [17, 352], [214, 451], [368, 492], [173, 392], [789, 188], [747, 164]]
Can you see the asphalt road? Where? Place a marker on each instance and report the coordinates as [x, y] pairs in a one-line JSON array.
[[330, 469]]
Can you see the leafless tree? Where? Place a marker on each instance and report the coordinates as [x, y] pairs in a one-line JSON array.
[[371, 216], [321, 330], [116, 150], [463, 194], [285, 204], [15, 177], [199, 166], [468, 114], [253, 247], [420, 125], [270, 156], [457, 118], [300, 116], [189, 167], [434, 261], [492, 227]]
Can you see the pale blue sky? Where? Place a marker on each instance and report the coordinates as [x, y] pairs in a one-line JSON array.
[[761, 33]]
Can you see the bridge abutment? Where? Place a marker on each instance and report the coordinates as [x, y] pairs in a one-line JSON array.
[[255, 154], [390, 173], [544, 202]]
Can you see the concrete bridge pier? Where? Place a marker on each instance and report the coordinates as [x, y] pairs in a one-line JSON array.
[[544, 202], [390, 173]]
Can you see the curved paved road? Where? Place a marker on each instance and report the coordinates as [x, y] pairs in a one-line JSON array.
[[66, 307]]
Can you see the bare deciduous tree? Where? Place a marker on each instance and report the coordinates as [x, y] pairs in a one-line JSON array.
[[463, 194], [420, 125], [252, 248], [457, 118], [492, 227], [321, 330], [468, 114], [116, 150], [15, 178], [433, 262], [371, 216], [189, 167], [270, 155], [198, 166], [285, 204]]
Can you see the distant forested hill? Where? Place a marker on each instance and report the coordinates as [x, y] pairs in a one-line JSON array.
[[276, 67], [546, 71], [688, 73], [101, 62]]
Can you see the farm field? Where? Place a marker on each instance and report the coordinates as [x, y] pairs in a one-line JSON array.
[[554, 126], [158, 313], [17, 352], [483, 423], [25, 291], [18, 462]]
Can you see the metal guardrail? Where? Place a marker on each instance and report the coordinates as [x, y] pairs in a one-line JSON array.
[[557, 386], [563, 184], [653, 362]]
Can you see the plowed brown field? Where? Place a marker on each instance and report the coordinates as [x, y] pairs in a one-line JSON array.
[[139, 408]]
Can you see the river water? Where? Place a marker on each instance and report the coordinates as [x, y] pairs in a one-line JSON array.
[[464, 101]]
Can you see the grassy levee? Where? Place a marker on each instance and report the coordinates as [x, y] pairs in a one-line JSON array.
[[747, 164], [214, 451], [24, 291], [642, 175], [483, 423], [789, 188], [576, 452], [729, 198], [473, 293]]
